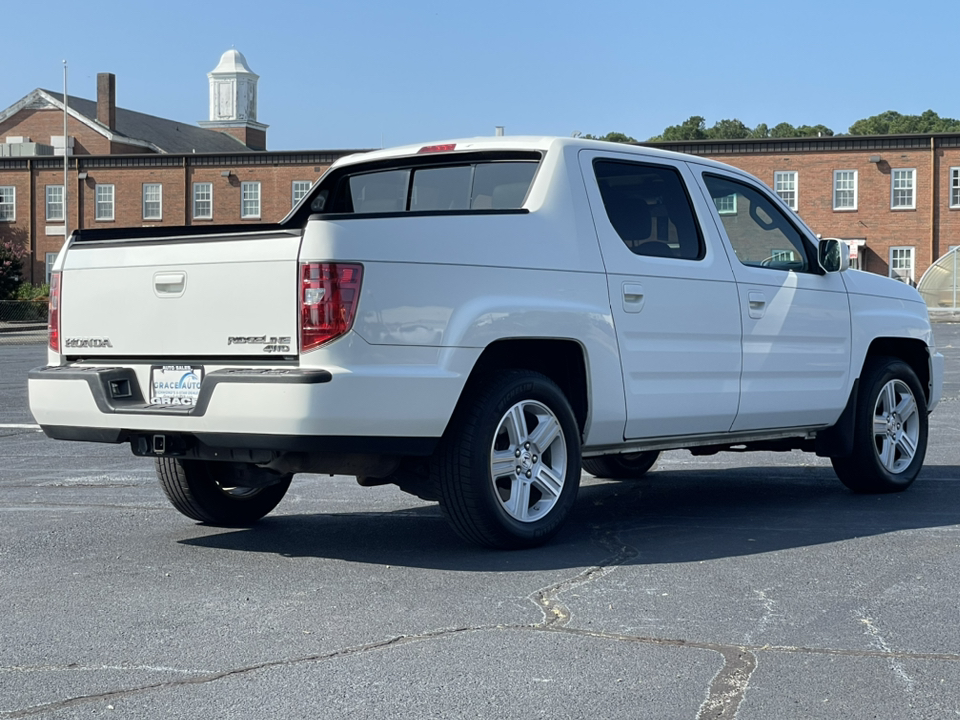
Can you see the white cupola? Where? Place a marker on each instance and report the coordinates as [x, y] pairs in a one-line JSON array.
[[233, 90]]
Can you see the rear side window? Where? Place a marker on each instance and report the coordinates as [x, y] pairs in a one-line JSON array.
[[649, 208], [476, 186]]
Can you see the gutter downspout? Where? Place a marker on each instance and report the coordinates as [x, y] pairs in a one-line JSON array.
[[934, 202]]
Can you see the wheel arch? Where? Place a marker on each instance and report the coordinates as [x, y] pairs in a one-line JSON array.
[[561, 360], [912, 351]]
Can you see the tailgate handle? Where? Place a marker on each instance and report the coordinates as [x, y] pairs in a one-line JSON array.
[[169, 284]]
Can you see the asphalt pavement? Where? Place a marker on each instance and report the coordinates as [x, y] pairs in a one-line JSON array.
[[739, 585]]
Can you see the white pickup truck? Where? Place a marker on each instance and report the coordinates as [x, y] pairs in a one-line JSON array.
[[476, 321]]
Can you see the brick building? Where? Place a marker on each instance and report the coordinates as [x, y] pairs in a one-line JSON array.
[[895, 198], [129, 169]]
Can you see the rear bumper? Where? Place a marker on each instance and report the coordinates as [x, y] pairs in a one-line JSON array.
[[400, 408]]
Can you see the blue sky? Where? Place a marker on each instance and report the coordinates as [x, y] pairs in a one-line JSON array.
[[358, 74]]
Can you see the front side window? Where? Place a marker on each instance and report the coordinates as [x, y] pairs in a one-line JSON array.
[[203, 200], [902, 191], [152, 201], [649, 208], [901, 264], [785, 185], [105, 202], [955, 187], [449, 188], [54, 202], [760, 233], [300, 188], [845, 190], [8, 203], [251, 200]]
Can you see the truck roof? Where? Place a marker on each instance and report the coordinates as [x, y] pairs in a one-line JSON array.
[[516, 142]]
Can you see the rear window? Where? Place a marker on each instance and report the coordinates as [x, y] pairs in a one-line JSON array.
[[501, 185]]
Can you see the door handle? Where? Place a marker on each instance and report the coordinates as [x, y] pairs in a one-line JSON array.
[[757, 304], [632, 297], [169, 284]]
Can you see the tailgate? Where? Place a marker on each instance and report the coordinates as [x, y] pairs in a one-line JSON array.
[[233, 294]]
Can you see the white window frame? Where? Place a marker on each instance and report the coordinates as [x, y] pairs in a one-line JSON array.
[[53, 203], [50, 259], [912, 188], [8, 203], [955, 187], [106, 196], [197, 188], [855, 180], [300, 188], [786, 184], [726, 210], [909, 253], [250, 194], [147, 187]]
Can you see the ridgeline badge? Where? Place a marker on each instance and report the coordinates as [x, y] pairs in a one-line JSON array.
[[271, 344]]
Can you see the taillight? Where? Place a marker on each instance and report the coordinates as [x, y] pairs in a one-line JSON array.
[[53, 313], [329, 293]]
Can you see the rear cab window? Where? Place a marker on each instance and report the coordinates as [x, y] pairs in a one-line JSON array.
[[458, 183], [648, 206]]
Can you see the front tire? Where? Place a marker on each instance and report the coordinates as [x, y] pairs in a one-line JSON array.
[[626, 466], [220, 493], [890, 430], [508, 469]]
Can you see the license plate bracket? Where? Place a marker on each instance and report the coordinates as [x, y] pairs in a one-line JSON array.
[[175, 385]]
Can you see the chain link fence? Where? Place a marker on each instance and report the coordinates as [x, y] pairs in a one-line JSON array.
[[23, 321]]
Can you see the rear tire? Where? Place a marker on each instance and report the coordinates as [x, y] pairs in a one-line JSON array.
[[508, 468], [215, 492], [626, 466], [890, 431]]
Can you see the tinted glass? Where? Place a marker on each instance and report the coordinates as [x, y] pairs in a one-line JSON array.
[[760, 234], [501, 185], [380, 192], [649, 208], [442, 188]]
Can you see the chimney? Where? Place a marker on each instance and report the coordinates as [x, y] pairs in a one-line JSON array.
[[107, 100]]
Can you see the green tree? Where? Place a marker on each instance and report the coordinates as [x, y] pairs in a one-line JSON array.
[[893, 123], [693, 128], [760, 131], [814, 131], [728, 130], [611, 137], [783, 130]]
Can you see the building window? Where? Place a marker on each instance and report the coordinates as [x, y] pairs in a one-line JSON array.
[[902, 195], [300, 188], [955, 187], [203, 200], [152, 201], [8, 203], [51, 258], [54, 202], [104, 202], [844, 189], [785, 185], [726, 204], [251, 200], [901, 264]]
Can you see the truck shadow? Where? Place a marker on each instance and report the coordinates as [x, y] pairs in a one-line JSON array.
[[671, 516]]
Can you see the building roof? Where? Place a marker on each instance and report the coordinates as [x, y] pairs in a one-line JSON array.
[[233, 61], [150, 132]]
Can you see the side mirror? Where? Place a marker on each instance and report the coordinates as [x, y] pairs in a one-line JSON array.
[[833, 255]]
